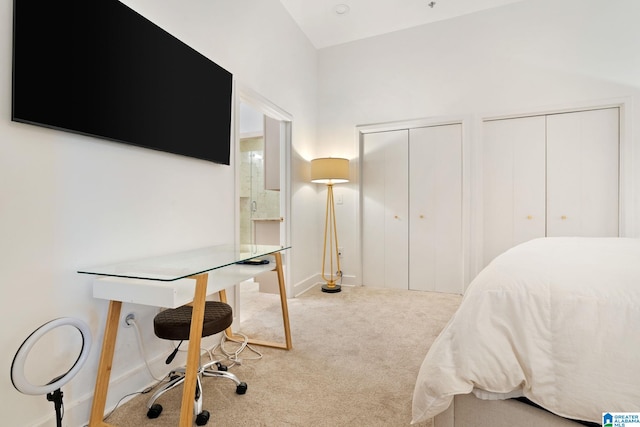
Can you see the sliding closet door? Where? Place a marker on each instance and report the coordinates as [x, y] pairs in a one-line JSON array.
[[435, 219], [582, 173], [385, 222], [513, 183]]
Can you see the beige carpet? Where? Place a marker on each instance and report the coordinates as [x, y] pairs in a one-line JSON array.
[[355, 358]]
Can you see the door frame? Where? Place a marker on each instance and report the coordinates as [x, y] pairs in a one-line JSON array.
[[244, 94]]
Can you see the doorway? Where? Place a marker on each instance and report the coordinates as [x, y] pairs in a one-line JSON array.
[[263, 135], [260, 186]]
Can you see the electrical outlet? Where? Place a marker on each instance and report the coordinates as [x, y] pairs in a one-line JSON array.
[[128, 320]]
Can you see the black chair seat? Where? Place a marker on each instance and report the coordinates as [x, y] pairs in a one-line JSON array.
[[174, 324]]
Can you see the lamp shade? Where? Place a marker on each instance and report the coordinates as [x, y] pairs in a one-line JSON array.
[[329, 170]]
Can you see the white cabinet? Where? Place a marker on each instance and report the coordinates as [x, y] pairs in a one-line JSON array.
[[551, 175], [272, 143], [412, 209], [267, 232]]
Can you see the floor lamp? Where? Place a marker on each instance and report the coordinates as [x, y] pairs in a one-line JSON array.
[[329, 170]]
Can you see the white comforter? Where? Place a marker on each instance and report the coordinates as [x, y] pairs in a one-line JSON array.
[[556, 320]]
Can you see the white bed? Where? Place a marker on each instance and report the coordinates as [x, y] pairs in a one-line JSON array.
[[556, 320]]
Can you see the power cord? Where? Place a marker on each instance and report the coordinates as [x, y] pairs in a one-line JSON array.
[[142, 349], [202, 351], [230, 355], [145, 391], [133, 323], [234, 355]]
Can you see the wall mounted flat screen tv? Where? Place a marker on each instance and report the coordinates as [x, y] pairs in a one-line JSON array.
[[99, 68]]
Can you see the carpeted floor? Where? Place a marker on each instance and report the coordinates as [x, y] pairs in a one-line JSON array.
[[355, 358]]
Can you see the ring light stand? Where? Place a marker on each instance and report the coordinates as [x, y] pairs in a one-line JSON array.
[[52, 388]]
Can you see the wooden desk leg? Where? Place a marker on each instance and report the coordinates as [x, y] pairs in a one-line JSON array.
[[222, 296], [285, 312], [283, 301], [193, 354], [106, 363]]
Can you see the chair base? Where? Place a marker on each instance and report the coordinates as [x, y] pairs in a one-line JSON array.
[[177, 377]]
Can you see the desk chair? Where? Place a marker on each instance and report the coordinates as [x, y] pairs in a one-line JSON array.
[[174, 324]]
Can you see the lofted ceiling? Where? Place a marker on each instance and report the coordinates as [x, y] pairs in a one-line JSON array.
[[332, 22]]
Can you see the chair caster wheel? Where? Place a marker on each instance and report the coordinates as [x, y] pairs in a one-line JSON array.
[[202, 418], [221, 367], [241, 388], [154, 411]]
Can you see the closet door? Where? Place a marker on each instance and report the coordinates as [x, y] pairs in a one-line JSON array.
[[435, 200], [385, 222], [513, 183], [582, 173]]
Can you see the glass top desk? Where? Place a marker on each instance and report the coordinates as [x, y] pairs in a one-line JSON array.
[[171, 281]]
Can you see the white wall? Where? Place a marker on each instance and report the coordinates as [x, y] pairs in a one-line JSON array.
[[69, 201], [532, 56]]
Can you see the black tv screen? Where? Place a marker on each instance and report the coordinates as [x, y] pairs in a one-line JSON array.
[[98, 68]]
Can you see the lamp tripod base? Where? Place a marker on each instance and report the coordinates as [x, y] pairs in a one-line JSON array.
[[331, 288]]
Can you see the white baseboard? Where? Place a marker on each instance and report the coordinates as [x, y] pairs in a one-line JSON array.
[[76, 413], [302, 287]]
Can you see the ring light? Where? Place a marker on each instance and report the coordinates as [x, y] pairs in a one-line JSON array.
[[18, 378]]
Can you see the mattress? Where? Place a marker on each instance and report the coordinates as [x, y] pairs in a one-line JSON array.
[[555, 320]]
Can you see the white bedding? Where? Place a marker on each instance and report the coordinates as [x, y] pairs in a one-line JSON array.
[[556, 320]]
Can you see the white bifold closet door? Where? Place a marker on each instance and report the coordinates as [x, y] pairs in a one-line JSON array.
[[583, 173], [412, 209], [550, 175], [435, 209], [385, 210], [513, 170]]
